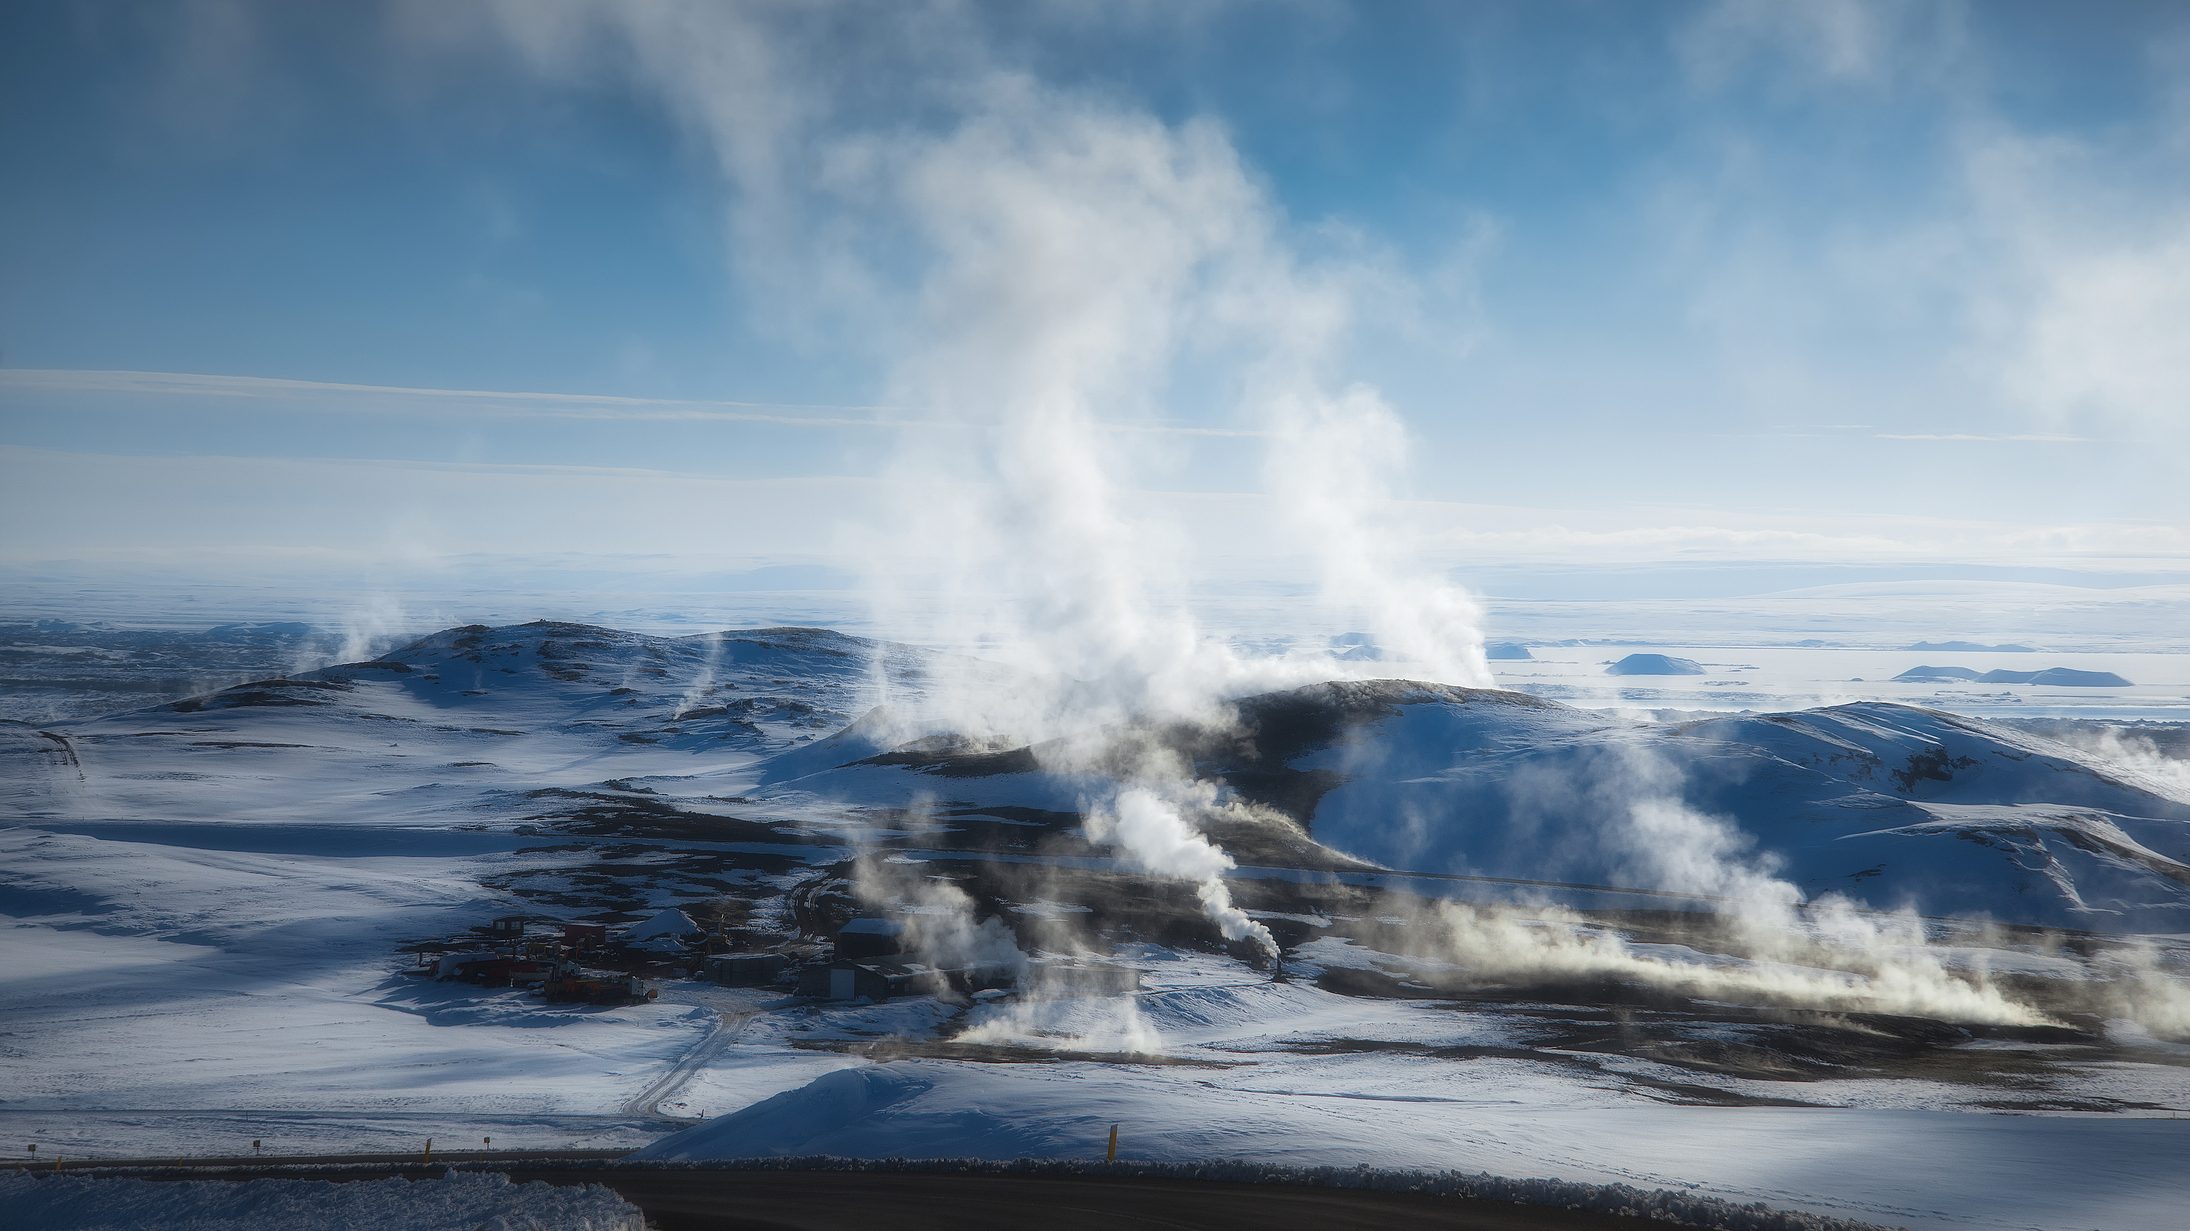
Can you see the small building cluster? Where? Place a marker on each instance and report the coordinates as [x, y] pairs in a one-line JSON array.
[[562, 961]]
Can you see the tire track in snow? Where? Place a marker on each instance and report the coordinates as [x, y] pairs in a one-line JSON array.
[[724, 1032]]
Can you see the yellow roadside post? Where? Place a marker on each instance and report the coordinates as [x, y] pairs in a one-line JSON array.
[[1112, 1155], [429, 1149]]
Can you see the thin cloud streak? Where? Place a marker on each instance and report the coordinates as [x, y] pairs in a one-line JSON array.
[[526, 404], [2037, 438]]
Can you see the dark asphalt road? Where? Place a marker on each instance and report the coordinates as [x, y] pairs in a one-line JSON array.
[[867, 1201], [740, 1200]]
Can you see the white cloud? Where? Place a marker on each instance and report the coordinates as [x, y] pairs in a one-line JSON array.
[[2107, 334], [1828, 40]]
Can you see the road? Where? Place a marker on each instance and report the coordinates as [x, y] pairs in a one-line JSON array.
[[698, 1199], [861, 1201]]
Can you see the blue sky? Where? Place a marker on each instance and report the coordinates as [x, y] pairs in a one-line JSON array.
[[1832, 283]]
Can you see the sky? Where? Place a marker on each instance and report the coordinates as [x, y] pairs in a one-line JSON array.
[[1812, 291]]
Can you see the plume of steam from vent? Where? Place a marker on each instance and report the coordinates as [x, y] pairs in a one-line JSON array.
[[2143, 990], [943, 928], [2135, 758], [1878, 969], [366, 630], [1334, 459], [1077, 248], [696, 692], [941, 921], [1148, 824], [1761, 941], [1061, 1019], [1827, 953], [1083, 254], [1046, 265]]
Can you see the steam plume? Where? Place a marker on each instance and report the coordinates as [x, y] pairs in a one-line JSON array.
[[1042, 264]]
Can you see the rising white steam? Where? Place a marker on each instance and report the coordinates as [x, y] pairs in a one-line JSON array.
[[2141, 988], [1872, 968], [695, 693], [1044, 265], [1065, 1019], [2135, 758], [942, 926], [369, 628], [1149, 824], [1334, 460], [1826, 953]]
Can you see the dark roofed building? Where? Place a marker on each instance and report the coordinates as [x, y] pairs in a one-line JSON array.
[[865, 938]]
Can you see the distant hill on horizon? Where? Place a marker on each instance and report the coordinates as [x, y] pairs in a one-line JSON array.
[[2059, 677]]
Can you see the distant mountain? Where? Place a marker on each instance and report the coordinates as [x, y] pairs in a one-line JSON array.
[[1355, 648], [1507, 652], [1935, 675], [1654, 664], [2063, 677], [2060, 677], [1966, 647]]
